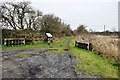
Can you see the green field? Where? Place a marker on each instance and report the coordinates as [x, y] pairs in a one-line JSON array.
[[88, 61]]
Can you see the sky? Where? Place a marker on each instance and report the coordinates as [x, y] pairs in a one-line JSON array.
[[92, 13]]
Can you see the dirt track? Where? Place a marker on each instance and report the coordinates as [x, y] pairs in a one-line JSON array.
[[40, 65]]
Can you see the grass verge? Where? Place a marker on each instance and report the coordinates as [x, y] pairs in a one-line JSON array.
[[92, 63]]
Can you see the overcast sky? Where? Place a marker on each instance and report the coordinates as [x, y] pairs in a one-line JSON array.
[[92, 13]]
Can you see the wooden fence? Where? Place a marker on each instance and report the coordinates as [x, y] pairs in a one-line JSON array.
[[19, 41], [83, 45], [13, 41]]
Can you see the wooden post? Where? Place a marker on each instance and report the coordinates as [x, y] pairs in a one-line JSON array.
[[88, 46], [24, 41], [48, 41]]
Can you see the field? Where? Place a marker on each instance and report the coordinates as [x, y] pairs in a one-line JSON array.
[[87, 61], [105, 46]]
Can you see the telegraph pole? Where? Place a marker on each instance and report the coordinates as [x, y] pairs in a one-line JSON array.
[[104, 28]]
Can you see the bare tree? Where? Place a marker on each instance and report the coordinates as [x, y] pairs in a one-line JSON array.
[[18, 15], [7, 15], [33, 20]]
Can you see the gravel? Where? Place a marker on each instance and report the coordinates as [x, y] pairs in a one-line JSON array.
[[46, 65]]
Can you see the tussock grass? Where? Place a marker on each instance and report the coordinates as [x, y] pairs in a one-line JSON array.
[[105, 46]]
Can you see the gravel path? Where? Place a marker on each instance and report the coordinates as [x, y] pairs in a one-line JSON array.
[[42, 65]]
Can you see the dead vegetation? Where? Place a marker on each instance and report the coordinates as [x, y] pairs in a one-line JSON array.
[[106, 46]]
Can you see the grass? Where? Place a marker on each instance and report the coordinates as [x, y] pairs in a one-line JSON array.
[[40, 45], [88, 61], [22, 55], [0, 47], [92, 63], [27, 46]]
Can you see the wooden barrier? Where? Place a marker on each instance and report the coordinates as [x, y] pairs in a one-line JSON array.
[[13, 41], [83, 45], [19, 41], [35, 40]]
